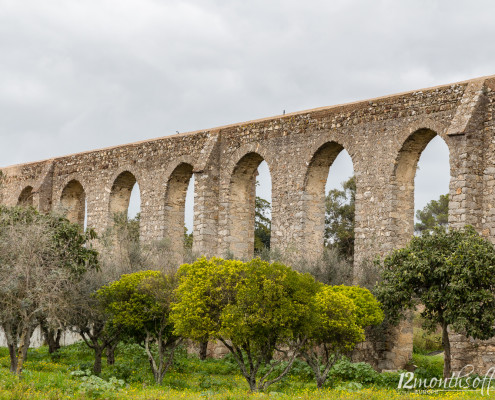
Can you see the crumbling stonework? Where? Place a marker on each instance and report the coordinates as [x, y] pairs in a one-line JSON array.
[[383, 136]]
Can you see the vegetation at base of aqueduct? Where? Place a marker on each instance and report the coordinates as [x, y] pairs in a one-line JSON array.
[[66, 374], [270, 317]]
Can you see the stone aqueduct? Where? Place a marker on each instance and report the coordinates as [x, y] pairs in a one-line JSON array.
[[384, 137]]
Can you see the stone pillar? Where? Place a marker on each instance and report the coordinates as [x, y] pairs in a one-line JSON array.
[[471, 134], [376, 212], [206, 209]]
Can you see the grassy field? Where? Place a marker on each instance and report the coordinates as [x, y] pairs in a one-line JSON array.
[[66, 375]]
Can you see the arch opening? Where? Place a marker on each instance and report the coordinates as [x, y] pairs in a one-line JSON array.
[[26, 197], [124, 197], [415, 184], [263, 212], [73, 202], [134, 209], [189, 215], [431, 186], [329, 195], [242, 205], [180, 190]]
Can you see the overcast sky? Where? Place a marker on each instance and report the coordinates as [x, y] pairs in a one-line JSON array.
[[79, 75]]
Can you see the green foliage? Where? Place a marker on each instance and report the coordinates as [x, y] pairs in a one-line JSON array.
[[339, 218], [205, 288], [240, 301], [368, 309], [262, 225], [434, 214], [259, 306], [452, 273], [188, 239], [341, 314], [132, 300], [335, 323], [428, 366], [250, 306], [425, 341], [139, 304], [361, 372], [96, 386], [271, 304]]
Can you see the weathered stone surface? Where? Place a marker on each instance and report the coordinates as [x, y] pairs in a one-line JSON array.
[[383, 136]]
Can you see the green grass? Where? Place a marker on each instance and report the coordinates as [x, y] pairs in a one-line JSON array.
[[428, 366], [52, 377], [425, 342]]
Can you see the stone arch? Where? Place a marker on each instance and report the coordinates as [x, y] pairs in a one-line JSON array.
[[314, 196], [73, 201], [25, 198], [186, 159], [439, 127], [324, 140], [175, 202], [120, 193], [245, 150], [242, 194], [404, 172]]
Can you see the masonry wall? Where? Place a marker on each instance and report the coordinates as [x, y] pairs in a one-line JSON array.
[[384, 137]]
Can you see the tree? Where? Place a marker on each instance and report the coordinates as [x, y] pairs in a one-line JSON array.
[[341, 314], [87, 317], [139, 304], [339, 218], [435, 213], [41, 258], [452, 273], [122, 252], [51, 335], [253, 308], [262, 225], [188, 239]]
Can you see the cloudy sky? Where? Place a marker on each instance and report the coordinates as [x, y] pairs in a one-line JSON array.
[[79, 75]]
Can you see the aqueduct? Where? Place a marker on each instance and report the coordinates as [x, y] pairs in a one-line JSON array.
[[384, 137]]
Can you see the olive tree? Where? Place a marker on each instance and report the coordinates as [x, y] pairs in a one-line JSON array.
[[87, 317], [41, 258], [450, 272], [254, 308], [121, 252]]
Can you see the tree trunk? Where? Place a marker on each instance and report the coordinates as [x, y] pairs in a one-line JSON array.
[[203, 348], [97, 365], [58, 336], [23, 348], [11, 337], [320, 381], [52, 336], [13, 357], [446, 348], [111, 354]]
